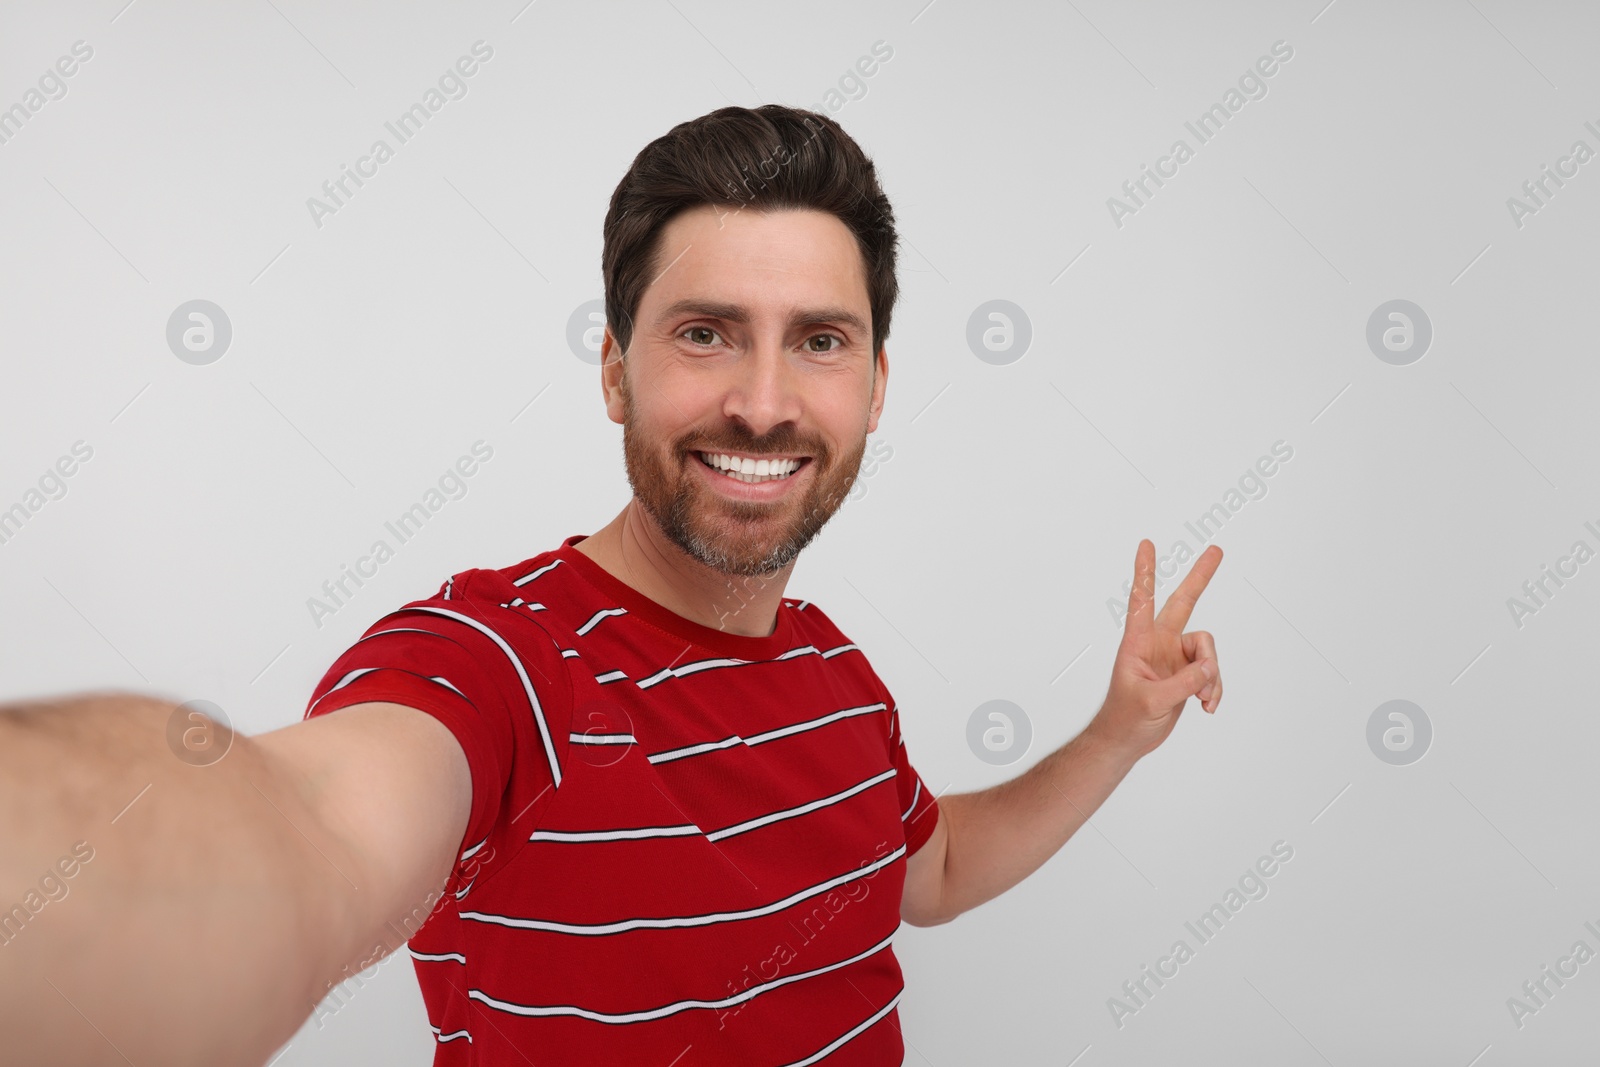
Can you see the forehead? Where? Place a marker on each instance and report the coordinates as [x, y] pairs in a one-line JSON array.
[[760, 259]]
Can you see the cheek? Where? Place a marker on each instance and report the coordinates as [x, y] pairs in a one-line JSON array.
[[672, 407], [839, 406], [655, 415]]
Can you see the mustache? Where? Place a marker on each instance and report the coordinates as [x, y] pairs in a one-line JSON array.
[[785, 443]]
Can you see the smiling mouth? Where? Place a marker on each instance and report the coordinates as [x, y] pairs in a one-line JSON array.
[[752, 471]]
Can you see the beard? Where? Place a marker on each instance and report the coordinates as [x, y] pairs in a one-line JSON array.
[[743, 538]]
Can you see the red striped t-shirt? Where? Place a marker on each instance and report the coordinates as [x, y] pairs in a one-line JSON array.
[[686, 846]]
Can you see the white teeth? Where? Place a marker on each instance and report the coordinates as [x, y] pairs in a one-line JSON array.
[[750, 470]]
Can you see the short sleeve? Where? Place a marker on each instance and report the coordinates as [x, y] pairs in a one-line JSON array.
[[491, 675], [919, 809]]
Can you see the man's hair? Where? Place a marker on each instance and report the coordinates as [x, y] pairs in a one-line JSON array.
[[767, 158]]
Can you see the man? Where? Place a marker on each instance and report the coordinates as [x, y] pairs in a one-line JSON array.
[[625, 801]]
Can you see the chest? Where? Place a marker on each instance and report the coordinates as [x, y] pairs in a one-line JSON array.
[[772, 773]]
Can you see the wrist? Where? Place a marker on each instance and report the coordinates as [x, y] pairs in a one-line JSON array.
[[1111, 745]]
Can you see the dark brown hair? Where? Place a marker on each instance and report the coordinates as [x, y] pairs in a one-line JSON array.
[[769, 157]]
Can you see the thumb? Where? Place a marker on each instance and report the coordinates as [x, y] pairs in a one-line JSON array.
[[1185, 684]]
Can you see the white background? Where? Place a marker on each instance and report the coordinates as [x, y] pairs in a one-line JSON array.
[[1168, 354]]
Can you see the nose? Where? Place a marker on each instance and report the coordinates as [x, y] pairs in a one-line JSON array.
[[764, 389]]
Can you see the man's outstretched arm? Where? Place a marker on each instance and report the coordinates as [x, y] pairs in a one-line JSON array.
[[986, 842], [218, 903]]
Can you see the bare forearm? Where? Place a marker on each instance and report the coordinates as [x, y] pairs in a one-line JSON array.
[[203, 927], [999, 836]]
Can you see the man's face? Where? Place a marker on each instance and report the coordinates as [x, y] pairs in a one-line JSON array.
[[753, 342]]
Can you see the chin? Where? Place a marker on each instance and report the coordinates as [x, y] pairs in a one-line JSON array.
[[740, 556]]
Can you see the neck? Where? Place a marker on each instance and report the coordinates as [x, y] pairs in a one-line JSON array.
[[632, 549]]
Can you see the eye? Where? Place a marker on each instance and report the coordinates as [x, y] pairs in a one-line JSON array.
[[700, 330], [825, 337]]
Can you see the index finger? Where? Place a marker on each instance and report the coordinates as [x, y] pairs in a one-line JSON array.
[[1175, 612]]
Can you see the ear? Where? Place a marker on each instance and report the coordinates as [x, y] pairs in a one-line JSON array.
[[611, 370], [880, 381]]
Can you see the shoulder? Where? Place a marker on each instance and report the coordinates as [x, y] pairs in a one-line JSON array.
[[811, 620], [482, 589], [492, 585], [834, 645], [483, 609]]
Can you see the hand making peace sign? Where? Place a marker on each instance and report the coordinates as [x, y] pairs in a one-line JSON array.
[[1158, 666]]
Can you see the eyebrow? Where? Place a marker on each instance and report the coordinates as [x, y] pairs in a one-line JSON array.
[[713, 309]]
